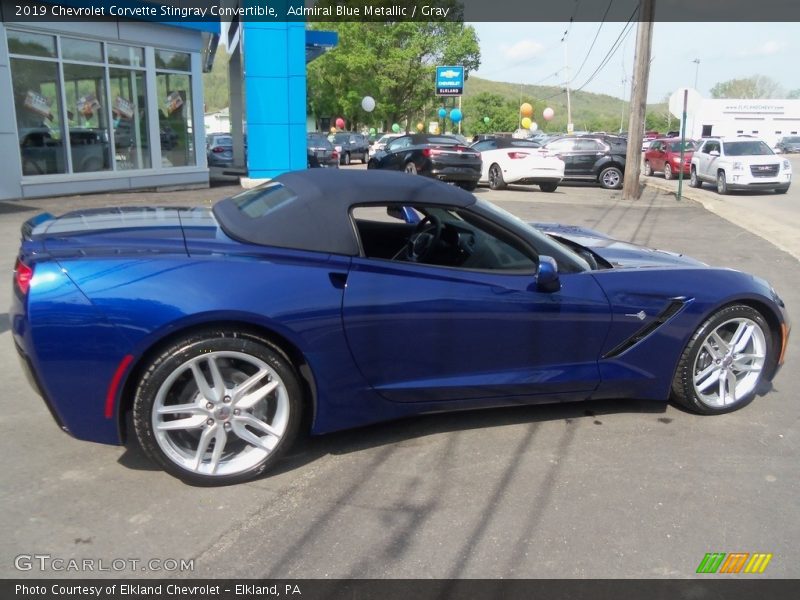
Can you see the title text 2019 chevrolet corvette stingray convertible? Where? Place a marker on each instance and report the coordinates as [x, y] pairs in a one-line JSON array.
[[337, 299]]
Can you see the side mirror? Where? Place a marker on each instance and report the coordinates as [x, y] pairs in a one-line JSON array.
[[714, 153], [547, 276]]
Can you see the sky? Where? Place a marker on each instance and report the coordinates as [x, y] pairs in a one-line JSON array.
[[533, 53]]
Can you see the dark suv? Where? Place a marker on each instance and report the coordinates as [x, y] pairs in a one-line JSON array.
[[351, 146], [599, 158]]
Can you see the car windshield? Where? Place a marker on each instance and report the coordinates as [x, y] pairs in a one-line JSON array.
[[224, 140], [688, 146], [386, 138], [751, 148], [792, 140]]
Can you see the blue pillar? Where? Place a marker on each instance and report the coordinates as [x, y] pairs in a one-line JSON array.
[[275, 92]]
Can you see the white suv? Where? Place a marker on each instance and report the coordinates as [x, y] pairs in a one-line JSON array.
[[740, 164]]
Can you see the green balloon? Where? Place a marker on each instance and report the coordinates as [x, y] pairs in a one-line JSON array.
[[372, 131], [487, 120], [396, 128]]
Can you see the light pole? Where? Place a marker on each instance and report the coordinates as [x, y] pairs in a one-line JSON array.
[[696, 61]]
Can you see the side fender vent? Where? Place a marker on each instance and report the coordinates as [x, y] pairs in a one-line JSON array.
[[673, 308]]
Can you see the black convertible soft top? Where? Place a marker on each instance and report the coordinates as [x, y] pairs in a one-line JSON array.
[[310, 209]]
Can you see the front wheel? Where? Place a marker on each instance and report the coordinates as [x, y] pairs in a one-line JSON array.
[[346, 158], [667, 172], [723, 364], [722, 184], [611, 178], [217, 407], [648, 169], [496, 181], [411, 168], [694, 180]]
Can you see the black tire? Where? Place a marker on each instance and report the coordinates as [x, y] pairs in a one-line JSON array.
[[648, 169], [496, 181], [410, 168], [346, 158], [169, 369], [694, 180], [372, 164], [667, 172], [722, 184], [469, 186], [781, 190], [548, 187], [684, 392], [611, 178]]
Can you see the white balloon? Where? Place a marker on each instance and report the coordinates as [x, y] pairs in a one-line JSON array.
[[368, 103], [548, 113], [534, 126]]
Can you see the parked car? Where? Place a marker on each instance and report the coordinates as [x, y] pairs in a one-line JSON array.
[[44, 154], [664, 156], [382, 141], [351, 146], [438, 156], [740, 164], [591, 158], [789, 144], [332, 299], [219, 150], [320, 152], [509, 160]]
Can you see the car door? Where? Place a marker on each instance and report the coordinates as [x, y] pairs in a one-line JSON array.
[[396, 151], [656, 156], [485, 146], [564, 149], [586, 153], [709, 161], [431, 332]]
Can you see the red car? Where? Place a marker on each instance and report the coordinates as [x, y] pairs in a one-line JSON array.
[[665, 155]]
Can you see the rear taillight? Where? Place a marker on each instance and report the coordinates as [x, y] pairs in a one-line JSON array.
[[22, 276], [335, 154], [428, 152], [218, 149], [517, 154]]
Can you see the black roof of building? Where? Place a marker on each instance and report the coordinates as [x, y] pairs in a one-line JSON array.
[[314, 208]]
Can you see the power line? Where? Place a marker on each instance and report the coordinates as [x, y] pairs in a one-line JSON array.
[[585, 58]]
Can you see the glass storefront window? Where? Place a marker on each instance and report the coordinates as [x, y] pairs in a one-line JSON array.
[[176, 61], [37, 104], [85, 92], [32, 44], [125, 55], [175, 119], [84, 50], [128, 106]]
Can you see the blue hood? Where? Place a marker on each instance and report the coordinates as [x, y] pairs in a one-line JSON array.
[[619, 254]]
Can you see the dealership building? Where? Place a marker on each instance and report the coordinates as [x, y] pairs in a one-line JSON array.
[[769, 120], [117, 104]]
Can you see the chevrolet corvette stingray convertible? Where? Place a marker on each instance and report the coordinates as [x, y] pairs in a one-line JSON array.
[[328, 300]]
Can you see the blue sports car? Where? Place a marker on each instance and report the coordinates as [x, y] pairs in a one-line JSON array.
[[333, 299]]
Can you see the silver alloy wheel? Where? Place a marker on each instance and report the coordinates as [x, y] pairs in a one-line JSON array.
[[729, 363], [667, 172], [495, 177], [220, 413], [611, 178], [693, 181], [411, 168], [648, 170]]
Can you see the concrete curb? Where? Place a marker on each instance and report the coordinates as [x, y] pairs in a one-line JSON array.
[[778, 234]]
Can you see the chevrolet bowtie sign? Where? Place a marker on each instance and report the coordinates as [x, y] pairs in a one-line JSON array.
[[449, 81]]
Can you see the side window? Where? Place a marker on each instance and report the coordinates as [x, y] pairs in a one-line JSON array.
[[564, 145], [485, 145], [445, 237], [711, 147], [656, 146], [398, 144], [587, 146]]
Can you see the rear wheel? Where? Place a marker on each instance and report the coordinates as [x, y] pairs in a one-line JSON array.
[[667, 172], [722, 184], [217, 407], [611, 178], [496, 181], [694, 180], [723, 364], [411, 168], [548, 187]]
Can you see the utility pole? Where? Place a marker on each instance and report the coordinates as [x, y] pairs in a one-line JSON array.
[[570, 127], [696, 61], [641, 74]]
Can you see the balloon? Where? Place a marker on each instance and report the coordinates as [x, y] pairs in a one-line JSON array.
[[368, 103], [442, 113], [420, 126], [486, 120], [548, 113], [340, 123], [526, 110], [333, 129], [396, 128], [372, 131], [455, 115], [526, 122], [534, 126]]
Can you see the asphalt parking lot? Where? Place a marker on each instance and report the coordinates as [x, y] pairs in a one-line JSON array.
[[606, 489]]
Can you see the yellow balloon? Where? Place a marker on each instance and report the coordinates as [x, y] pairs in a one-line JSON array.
[[420, 126], [526, 110], [333, 129], [526, 123]]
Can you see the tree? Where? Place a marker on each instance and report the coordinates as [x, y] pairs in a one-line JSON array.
[[794, 94], [503, 114], [394, 62], [757, 86]]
